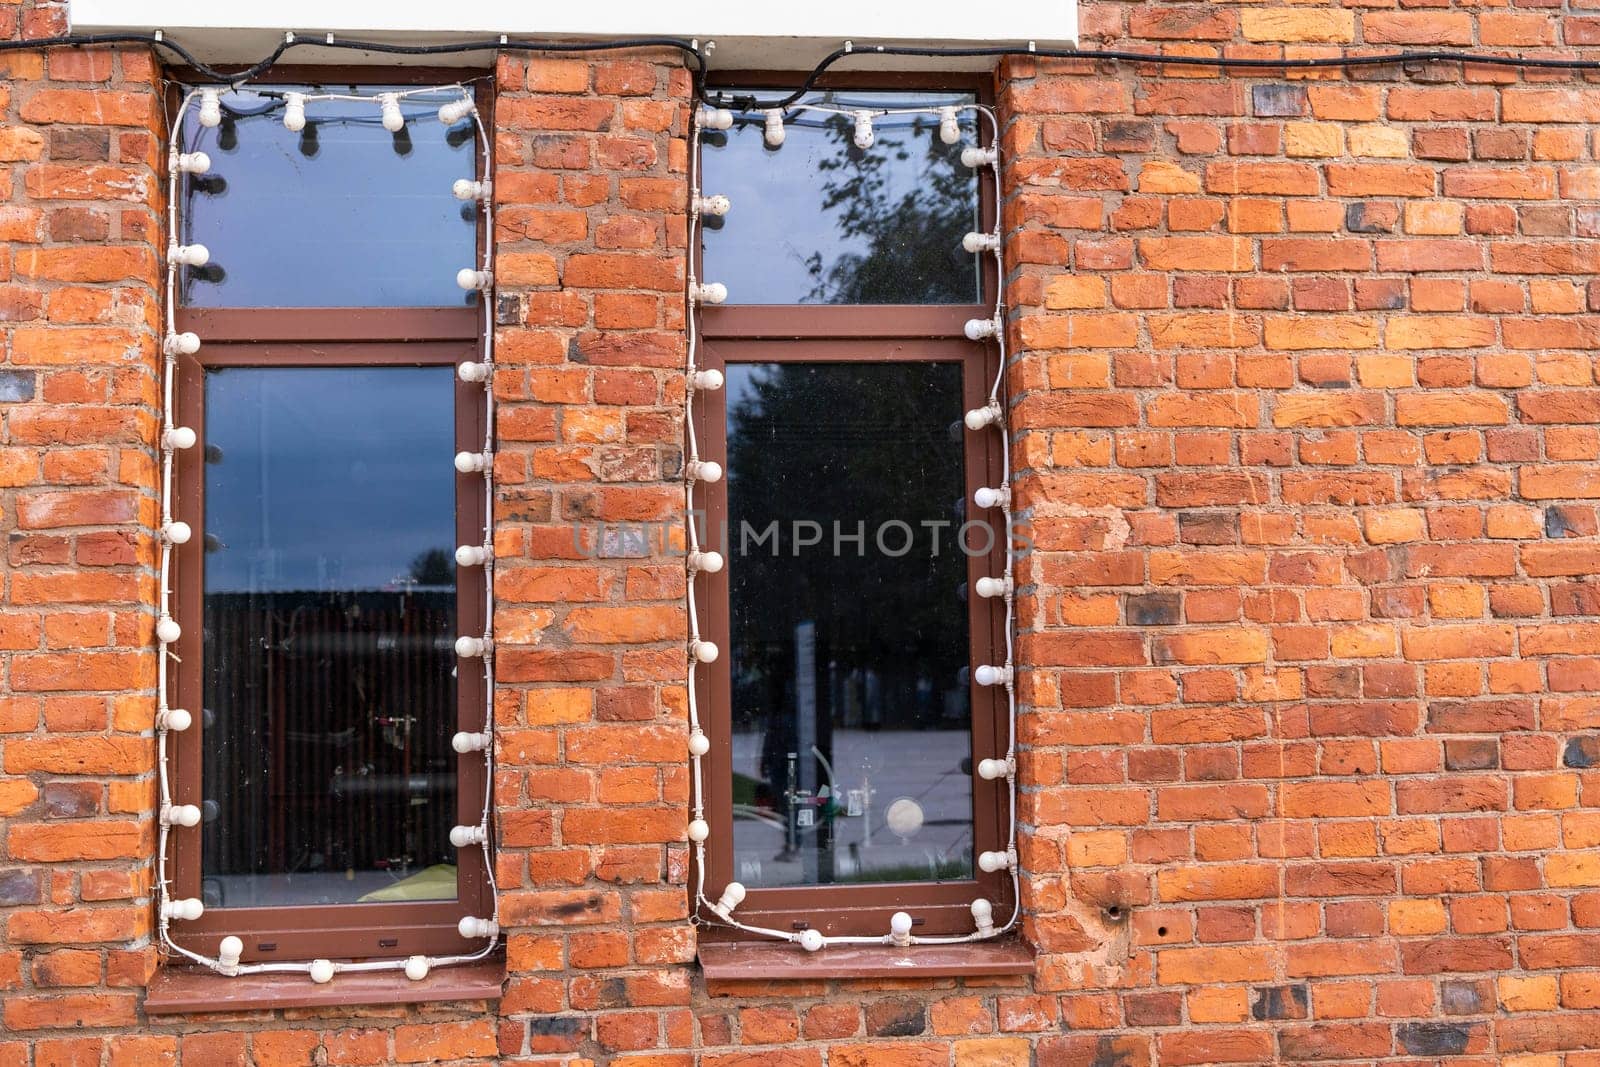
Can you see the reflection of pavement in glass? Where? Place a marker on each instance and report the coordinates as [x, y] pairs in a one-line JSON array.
[[925, 765], [301, 889]]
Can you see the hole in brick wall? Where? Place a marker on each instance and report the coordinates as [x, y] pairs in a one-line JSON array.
[[1161, 931], [1114, 912]]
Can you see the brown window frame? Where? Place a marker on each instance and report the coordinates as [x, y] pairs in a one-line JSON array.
[[820, 333], [331, 337]]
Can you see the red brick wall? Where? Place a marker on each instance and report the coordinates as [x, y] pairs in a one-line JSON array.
[[1308, 430]]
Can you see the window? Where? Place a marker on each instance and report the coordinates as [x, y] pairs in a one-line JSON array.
[[844, 721], [320, 592]]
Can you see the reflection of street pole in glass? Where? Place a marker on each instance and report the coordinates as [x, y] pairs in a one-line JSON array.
[[805, 710]]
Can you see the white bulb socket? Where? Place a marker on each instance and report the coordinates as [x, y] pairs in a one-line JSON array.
[[294, 112], [180, 344], [976, 242], [703, 651], [168, 630], [467, 189], [990, 862], [900, 929], [949, 125], [321, 971], [473, 372], [473, 462], [979, 157], [699, 830], [704, 470], [988, 415], [179, 437], [980, 329], [991, 675], [389, 107], [466, 741], [708, 293], [192, 163], [189, 255], [774, 133], [184, 909], [181, 815], [456, 110], [470, 927], [993, 587], [710, 562], [174, 719], [812, 940], [717, 205], [228, 952], [708, 379], [983, 916], [731, 898], [471, 647], [473, 555], [467, 836], [863, 136], [988, 497], [469, 279], [716, 118], [991, 769], [417, 968], [210, 108], [176, 532], [699, 743]]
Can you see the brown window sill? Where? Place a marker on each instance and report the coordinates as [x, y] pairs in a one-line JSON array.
[[780, 961], [191, 989]]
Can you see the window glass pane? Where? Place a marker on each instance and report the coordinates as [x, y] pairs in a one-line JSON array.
[[329, 615], [819, 221], [342, 214], [851, 718]]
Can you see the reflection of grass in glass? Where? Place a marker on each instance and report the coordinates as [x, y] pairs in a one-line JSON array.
[[744, 788], [946, 870]]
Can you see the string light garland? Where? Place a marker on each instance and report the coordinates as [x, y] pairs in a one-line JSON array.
[[173, 532], [991, 417]]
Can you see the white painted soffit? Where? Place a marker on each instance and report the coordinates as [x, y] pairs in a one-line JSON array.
[[768, 36]]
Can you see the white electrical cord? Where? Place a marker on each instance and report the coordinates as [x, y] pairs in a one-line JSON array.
[[721, 910], [169, 719]]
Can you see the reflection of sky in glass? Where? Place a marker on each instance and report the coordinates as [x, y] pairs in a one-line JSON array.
[[780, 218], [327, 478], [342, 214]]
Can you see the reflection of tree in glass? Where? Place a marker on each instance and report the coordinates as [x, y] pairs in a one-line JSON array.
[[436, 566], [913, 253]]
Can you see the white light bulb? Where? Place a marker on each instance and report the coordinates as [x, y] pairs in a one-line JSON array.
[[699, 830], [774, 132], [466, 741], [863, 136], [229, 950], [716, 118], [417, 968], [473, 555], [179, 437], [976, 242], [321, 971], [174, 719], [473, 372], [983, 916], [717, 205], [812, 940], [993, 587], [189, 255], [704, 470], [192, 163], [710, 562], [467, 189], [949, 125], [470, 927], [181, 815], [731, 898], [180, 344], [210, 107], [699, 743], [980, 329], [709, 293], [979, 157], [473, 462], [900, 928], [708, 379], [991, 769], [168, 630], [176, 533], [389, 105], [703, 651], [469, 279], [988, 415], [466, 836], [471, 647], [990, 862], [186, 909], [988, 675], [456, 110], [992, 498], [294, 112]]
